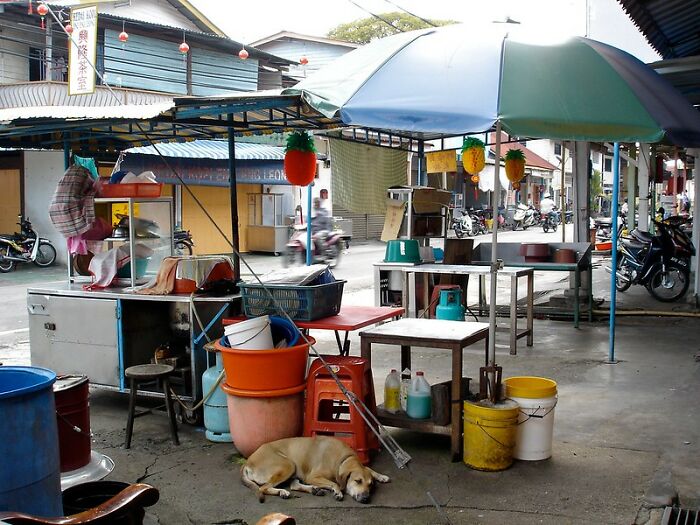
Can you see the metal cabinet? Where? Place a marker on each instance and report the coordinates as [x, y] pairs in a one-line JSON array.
[[75, 336]]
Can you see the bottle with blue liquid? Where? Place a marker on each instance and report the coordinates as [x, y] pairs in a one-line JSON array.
[[418, 404]]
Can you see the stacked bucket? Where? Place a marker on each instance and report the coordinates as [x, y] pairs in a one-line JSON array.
[[264, 382], [520, 427]]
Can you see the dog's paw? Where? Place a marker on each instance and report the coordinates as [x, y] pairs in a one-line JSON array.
[[318, 491], [383, 478], [338, 496], [285, 494]]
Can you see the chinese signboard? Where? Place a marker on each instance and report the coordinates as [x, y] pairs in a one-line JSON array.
[[440, 161], [82, 51]]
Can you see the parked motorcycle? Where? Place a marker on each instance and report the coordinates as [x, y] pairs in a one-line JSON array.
[[182, 241], [327, 246], [463, 225], [23, 247], [549, 222], [478, 222], [524, 217], [660, 262]]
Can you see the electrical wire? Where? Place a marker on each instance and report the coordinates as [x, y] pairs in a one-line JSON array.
[[387, 22], [412, 14]]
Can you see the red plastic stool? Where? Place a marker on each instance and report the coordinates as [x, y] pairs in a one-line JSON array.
[[328, 412]]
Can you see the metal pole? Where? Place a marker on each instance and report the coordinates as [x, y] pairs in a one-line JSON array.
[[643, 183], [420, 180], [309, 240], [632, 187], [563, 191], [494, 253], [613, 290], [233, 194]]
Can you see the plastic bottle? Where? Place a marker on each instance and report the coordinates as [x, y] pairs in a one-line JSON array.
[[392, 392], [405, 385], [418, 403]]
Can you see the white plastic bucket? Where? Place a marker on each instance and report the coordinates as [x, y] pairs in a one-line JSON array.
[[252, 334], [533, 440], [537, 397]]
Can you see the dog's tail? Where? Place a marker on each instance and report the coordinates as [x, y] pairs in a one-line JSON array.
[[245, 479]]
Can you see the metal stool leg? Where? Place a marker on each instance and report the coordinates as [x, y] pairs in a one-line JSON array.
[[132, 409], [171, 412]]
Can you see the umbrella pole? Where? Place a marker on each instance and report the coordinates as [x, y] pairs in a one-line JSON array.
[[491, 358], [309, 237], [613, 291]]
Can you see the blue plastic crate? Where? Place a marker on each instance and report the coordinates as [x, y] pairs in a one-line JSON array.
[[302, 303]]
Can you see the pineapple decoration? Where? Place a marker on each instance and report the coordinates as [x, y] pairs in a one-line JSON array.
[[300, 158], [515, 166], [473, 157]]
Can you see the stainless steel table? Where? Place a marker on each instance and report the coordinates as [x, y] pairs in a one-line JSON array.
[[514, 273]]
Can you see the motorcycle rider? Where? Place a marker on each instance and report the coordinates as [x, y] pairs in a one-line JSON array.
[[547, 206], [320, 224]]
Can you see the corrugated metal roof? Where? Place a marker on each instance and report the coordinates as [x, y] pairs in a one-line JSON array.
[[670, 26], [125, 112], [211, 149]]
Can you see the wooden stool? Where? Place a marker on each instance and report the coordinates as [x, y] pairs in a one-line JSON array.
[[143, 373], [326, 404]]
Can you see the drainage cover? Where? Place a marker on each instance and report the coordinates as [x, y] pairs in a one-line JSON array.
[[679, 516]]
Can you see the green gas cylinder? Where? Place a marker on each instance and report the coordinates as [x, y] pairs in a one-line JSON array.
[[450, 307]]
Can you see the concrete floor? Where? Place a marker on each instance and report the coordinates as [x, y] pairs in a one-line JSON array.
[[626, 440]]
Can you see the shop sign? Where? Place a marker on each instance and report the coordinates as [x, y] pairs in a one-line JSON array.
[[440, 161], [82, 51]]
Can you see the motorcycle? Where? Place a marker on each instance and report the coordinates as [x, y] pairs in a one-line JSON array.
[[478, 222], [660, 262], [182, 241], [549, 222], [524, 217], [463, 225], [25, 246], [327, 246]]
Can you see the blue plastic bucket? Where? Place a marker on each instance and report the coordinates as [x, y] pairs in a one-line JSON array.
[[30, 479], [282, 327]]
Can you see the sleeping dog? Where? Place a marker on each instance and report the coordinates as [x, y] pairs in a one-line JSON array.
[[314, 464]]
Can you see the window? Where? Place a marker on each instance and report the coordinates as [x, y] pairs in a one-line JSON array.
[[557, 148], [607, 165]]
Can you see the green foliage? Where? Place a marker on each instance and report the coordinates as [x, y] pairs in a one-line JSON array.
[[300, 141], [365, 30], [515, 154], [596, 189], [472, 142]]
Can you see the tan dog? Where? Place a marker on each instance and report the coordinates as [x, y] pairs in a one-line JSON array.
[[317, 464]]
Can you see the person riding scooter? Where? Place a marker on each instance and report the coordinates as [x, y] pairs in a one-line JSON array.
[[547, 205], [320, 224]]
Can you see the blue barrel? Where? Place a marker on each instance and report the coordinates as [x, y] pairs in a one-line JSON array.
[[30, 478]]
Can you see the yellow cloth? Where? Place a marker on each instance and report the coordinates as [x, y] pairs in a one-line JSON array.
[[165, 280]]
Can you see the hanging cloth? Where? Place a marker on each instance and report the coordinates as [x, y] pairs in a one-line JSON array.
[[72, 208]]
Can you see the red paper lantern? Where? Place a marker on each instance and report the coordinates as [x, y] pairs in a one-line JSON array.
[[303, 61], [42, 9], [69, 29], [243, 54], [184, 48], [123, 37], [300, 167], [475, 179]]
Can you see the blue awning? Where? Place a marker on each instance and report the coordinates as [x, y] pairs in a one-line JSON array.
[[211, 149]]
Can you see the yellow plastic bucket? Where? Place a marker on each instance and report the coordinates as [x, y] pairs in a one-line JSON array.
[[489, 434], [537, 397]]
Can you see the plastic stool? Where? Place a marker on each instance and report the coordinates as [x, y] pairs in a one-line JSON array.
[[144, 373], [326, 404]]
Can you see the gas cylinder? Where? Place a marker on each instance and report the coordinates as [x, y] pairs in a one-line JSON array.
[[215, 408], [450, 307]]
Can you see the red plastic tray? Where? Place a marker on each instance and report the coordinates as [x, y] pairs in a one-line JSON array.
[[131, 189]]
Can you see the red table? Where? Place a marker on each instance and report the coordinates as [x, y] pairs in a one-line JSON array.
[[350, 318]]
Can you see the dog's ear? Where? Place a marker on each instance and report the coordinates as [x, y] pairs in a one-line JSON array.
[[344, 471]]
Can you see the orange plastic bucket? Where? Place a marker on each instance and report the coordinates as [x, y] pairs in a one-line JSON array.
[[265, 370]]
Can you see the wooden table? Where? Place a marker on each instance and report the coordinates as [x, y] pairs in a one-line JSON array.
[[349, 319], [428, 333], [514, 273]]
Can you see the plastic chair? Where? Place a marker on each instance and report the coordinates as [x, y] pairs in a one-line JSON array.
[[328, 412]]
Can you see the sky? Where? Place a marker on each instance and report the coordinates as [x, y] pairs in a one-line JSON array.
[[603, 20]]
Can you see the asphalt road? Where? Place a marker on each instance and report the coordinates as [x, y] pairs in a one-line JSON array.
[[356, 267]]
